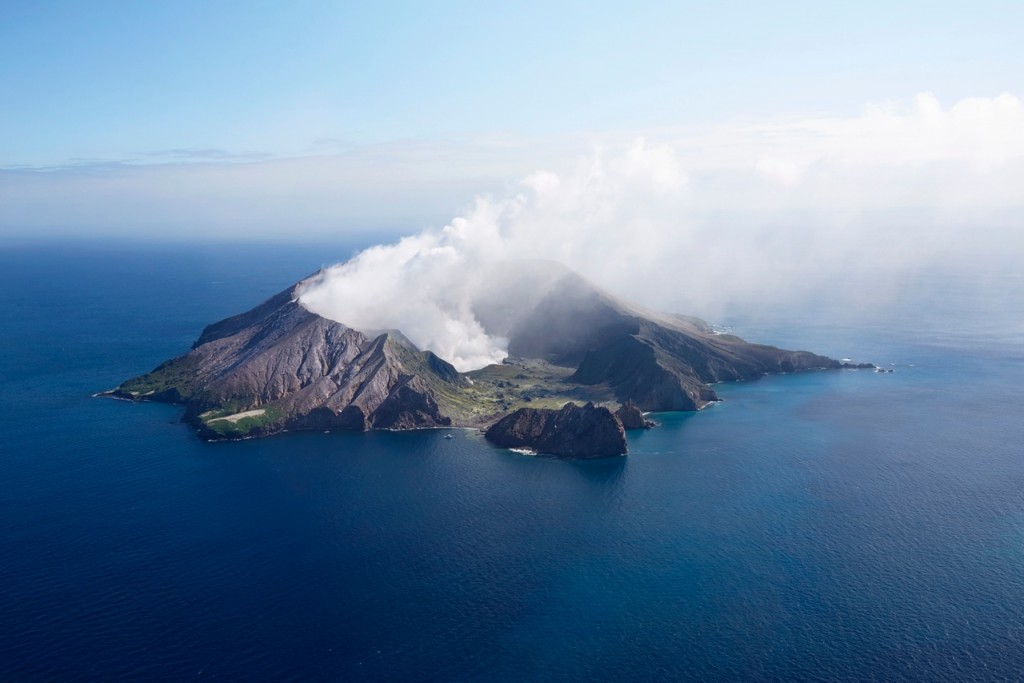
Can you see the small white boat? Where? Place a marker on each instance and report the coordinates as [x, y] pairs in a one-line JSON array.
[[448, 436]]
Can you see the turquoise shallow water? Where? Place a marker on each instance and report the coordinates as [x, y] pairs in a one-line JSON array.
[[841, 525]]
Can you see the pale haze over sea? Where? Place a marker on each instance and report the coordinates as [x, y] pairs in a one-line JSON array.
[[840, 179]]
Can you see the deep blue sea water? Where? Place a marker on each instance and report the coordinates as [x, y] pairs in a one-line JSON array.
[[830, 526]]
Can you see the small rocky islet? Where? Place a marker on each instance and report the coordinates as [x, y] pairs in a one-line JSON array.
[[570, 432], [583, 367]]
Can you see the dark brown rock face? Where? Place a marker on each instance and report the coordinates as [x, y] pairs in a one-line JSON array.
[[572, 432], [659, 361], [303, 371], [667, 364], [631, 417]]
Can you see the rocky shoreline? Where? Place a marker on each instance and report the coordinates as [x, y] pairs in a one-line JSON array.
[[279, 367]]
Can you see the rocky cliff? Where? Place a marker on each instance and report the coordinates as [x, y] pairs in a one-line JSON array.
[[660, 362], [571, 432], [281, 367], [630, 416]]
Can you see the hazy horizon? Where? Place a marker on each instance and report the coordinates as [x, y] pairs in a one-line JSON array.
[[688, 158]]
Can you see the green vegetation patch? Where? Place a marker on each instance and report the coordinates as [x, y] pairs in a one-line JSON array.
[[175, 375], [217, 424], [500, 389]]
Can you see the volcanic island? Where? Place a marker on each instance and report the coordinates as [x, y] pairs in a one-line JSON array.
[[583, 367]]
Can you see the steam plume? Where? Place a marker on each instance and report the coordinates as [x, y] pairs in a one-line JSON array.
[[695, 223]]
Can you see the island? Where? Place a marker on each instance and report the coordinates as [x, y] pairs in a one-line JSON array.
[[280, 367], [570, 432]]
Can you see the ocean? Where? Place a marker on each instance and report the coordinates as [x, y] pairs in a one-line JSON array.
[[845, 525]]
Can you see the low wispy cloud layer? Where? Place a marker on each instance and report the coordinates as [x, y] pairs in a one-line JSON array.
[[203, 155], [915, 156]]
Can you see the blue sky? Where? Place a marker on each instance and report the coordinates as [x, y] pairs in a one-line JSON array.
[[125, 80], [392, 115]]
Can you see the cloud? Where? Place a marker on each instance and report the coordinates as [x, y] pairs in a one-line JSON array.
[[892, 156], [682, 219], [426, 285], [205, 154], [392, 188], [753, 212]]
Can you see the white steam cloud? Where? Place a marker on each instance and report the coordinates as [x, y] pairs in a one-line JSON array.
[[692, 223], [425, 285]]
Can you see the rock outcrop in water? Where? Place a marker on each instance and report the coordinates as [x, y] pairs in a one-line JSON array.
[[631, 417], [571, 432], [281, 367]]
